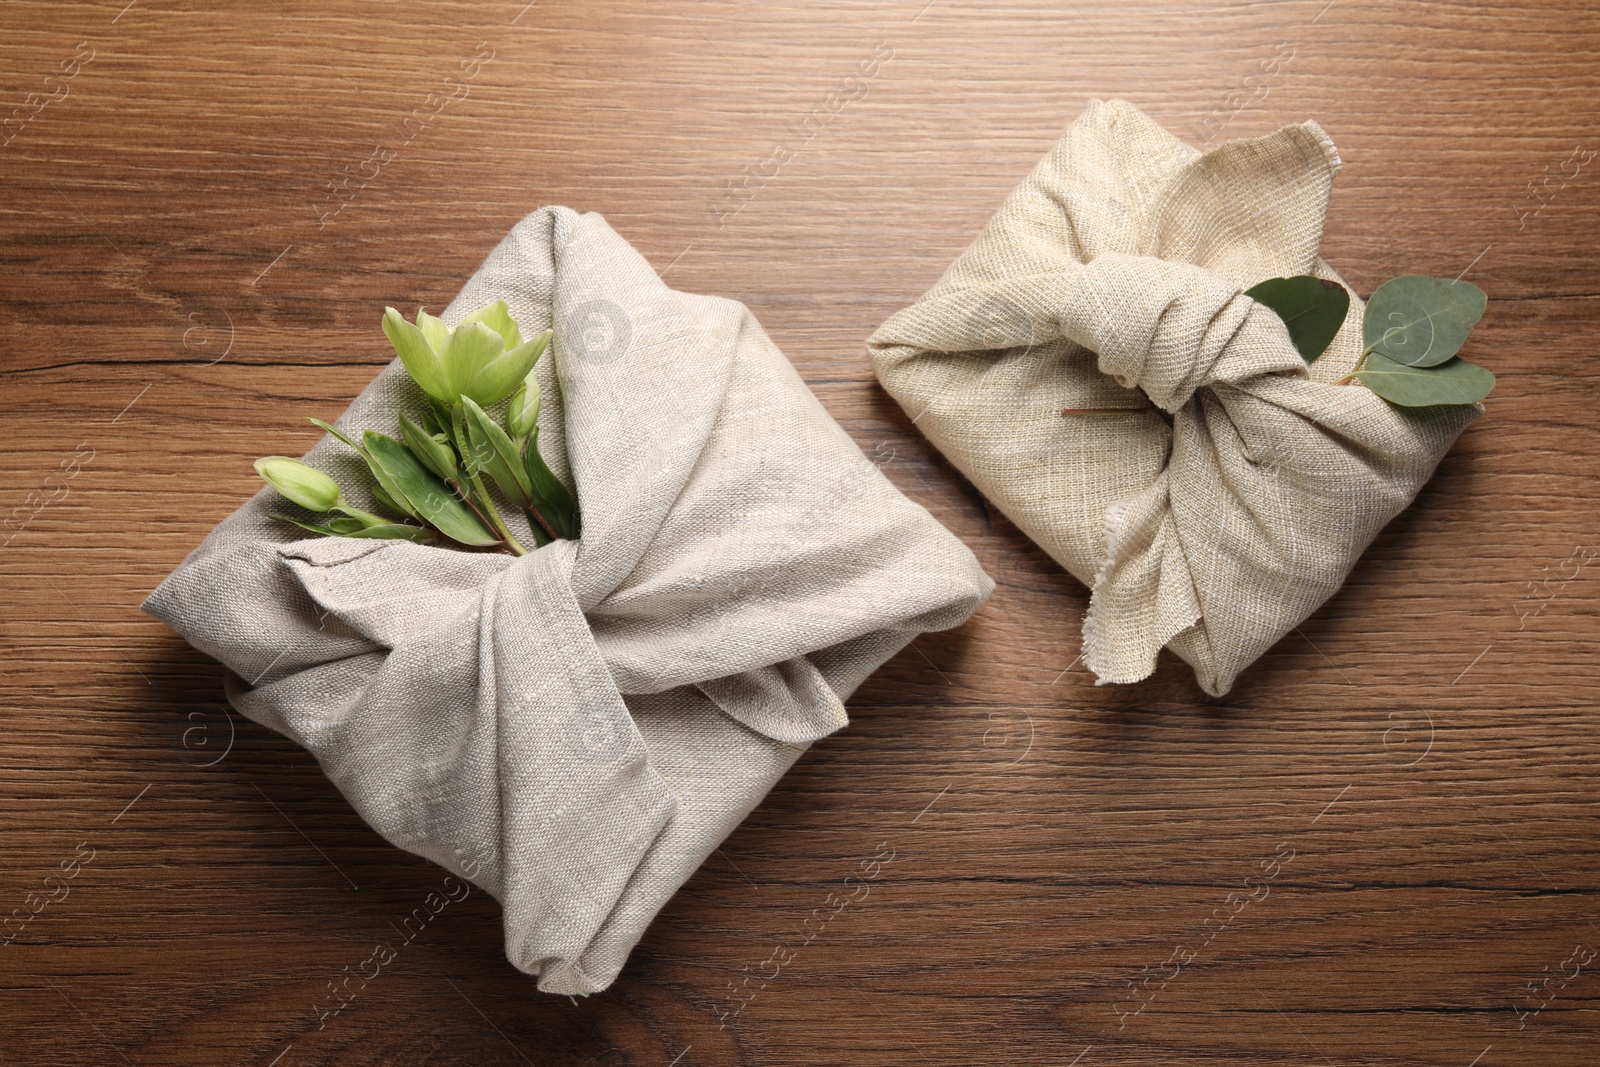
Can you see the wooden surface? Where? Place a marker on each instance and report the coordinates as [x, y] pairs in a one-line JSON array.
[[204, 207]]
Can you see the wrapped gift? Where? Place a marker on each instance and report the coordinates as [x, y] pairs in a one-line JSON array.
[[1093, 365], [577, 728]]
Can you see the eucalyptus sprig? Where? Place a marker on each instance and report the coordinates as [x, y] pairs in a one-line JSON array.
[[434, 474], [1411, 331]]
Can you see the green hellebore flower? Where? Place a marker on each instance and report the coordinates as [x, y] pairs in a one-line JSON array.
[[304, 485], [484, 358], [522, 414]]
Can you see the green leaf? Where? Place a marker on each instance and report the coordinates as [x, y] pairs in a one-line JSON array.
[[397, 531], [385, 492], [493, 453], [315, 528], [457, 433], [437, 456], [407, 480], [334, 431], [363, 518], [553, 500], [434, 417], [384, 501], [1453, 382], [340, 528], [1421, 322], [1312, 308]]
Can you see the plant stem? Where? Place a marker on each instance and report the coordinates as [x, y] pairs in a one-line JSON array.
[[479, 499], [1362, 362], [365, 516], [466, 498], [490, 512], [544, 524]]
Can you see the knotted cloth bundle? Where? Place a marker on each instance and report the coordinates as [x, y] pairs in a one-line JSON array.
[[1238, 497], [578, 728]]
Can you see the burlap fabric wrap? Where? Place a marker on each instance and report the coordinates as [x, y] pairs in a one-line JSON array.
[[1217, 518], [583, 725]]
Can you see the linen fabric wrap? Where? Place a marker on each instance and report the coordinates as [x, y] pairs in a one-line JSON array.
[[578, 728], [1236, 499]]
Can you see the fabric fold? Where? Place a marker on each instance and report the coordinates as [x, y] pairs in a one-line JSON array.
[[577, 729]]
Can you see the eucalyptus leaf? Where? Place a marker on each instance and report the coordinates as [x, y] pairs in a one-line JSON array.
[[552, 499], [1452, 382], [1312, 308], [494, 453], [406, 479], [1421, 322]]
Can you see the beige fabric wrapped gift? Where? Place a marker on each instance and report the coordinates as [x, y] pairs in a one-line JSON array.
[[577, 729], [1235, 500]]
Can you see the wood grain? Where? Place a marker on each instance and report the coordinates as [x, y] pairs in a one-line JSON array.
[[181, 284]]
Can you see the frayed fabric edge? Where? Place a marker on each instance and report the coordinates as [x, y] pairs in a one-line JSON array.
[[1114, 527]]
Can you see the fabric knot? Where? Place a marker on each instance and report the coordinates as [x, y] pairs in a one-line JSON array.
[[1120, 263], [1171, 328]]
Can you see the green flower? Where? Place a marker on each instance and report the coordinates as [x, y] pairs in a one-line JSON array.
[[304, 485], [522, 414], [315, 491], [484, 358]]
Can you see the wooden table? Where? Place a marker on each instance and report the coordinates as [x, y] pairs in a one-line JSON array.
[[204, 210]]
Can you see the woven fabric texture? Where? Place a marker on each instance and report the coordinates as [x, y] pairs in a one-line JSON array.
[[577, 729], [1241, 488]]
